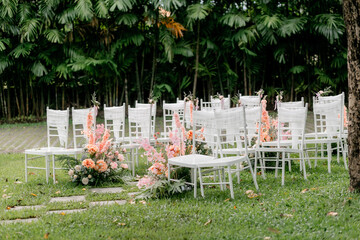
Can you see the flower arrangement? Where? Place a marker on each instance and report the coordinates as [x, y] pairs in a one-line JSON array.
[[268, 129], [155, 184], [102, 160], [324, 92]]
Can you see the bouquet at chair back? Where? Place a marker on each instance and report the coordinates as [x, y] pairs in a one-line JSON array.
[[102, 161]]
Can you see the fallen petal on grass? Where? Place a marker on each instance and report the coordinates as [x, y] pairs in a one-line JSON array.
[[332, 214], [208, 222]]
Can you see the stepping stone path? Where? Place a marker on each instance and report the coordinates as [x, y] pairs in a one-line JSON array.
[[63, 212], [102, 203], [34, 207], [71, 199], [26, 220], [106, 190], [68, 199]]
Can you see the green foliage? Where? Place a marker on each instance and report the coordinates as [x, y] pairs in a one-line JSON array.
[[235, 20], [197, 12], [163, 189], [330, 26]]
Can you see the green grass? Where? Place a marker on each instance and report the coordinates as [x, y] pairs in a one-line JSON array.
[[183, 217]]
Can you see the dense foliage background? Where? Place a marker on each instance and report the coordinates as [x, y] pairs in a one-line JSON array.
[[57, 52]]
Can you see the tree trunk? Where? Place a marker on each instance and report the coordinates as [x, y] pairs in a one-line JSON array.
[[8, 102], [126, 96], [56, 99], [63, 98], [197, 57], [245, 81], [153, 69], [117, 92], [22, 105], [138, 86], [351, 10], [142, 74]]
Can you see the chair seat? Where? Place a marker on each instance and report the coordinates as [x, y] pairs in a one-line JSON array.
[[199, 161]]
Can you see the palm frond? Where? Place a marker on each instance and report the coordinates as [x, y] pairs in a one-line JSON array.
[[8, 8], [133, 38], [4, 41], [84, 9], [169, 4], [183, 48], [127, 19], [4, 63], [122, 5], [63, 71], [24, 11], [279, 55], [38, 69], [168, 42], [67, 16], [102, 8], [22, 50], [331, 26], [297, 69], [197, 12], [292, 26], [54, 35], [235, 20], [30, 29]]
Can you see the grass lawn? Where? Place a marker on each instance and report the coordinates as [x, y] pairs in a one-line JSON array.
[[279, 213]]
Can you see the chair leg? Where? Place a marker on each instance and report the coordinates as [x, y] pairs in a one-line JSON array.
[[253, 173], [283, 170], [231, 183], [26, 172], [329, 156], [262, 163], [343, 143], [303, 163], [289, 161], [53, 163], [201, 183], [47, 168], [238, 172], [277, 164], [195, 181]]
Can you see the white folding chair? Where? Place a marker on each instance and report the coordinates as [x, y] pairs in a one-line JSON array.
[[57, 122], [294, 104], [214, 135], [79, 122], [290, 139], [250, 101], [224, 104], [115, 122], [328, 121], [153, 114], [168, 115]]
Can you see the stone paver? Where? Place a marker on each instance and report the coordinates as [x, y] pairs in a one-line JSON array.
[[68, 199], [133, 194], [102, 203], [106, 190], [25, 220], [64, 212], [18, 208], [132, 183]]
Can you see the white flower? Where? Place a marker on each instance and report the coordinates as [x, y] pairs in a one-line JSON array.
[[71, 172], [78, 168], [85, 181], [89, 176], [75, 176]]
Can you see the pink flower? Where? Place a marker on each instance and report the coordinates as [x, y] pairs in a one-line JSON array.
[[92, 149], [101, 166], [113, 165], [124, 166], [145, 182], [177, 120], [121, 157]]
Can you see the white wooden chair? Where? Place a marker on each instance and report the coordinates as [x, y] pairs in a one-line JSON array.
[[168, 116], [250, 101], [294, 104], [216, 133], [57, 122], [153, 114], [328, 121], [290, 139], [79, 122], [115, 122], [225, 104]]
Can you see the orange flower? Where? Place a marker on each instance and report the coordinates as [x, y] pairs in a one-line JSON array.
[[88, 163], [189, 135], [101, 166], [92, 149]]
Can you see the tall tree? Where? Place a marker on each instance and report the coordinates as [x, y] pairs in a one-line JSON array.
[[352, 21]]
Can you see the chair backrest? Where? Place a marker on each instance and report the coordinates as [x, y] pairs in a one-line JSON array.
[[291, 126], [253, 123], [224, 104], [231, 130], [57, 122], [294, 104], [115, 121], [79, 122], [153, 113], [209, 106], [250, 101], [138, 127], [168, 115], [204, 130], [328, 117]]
